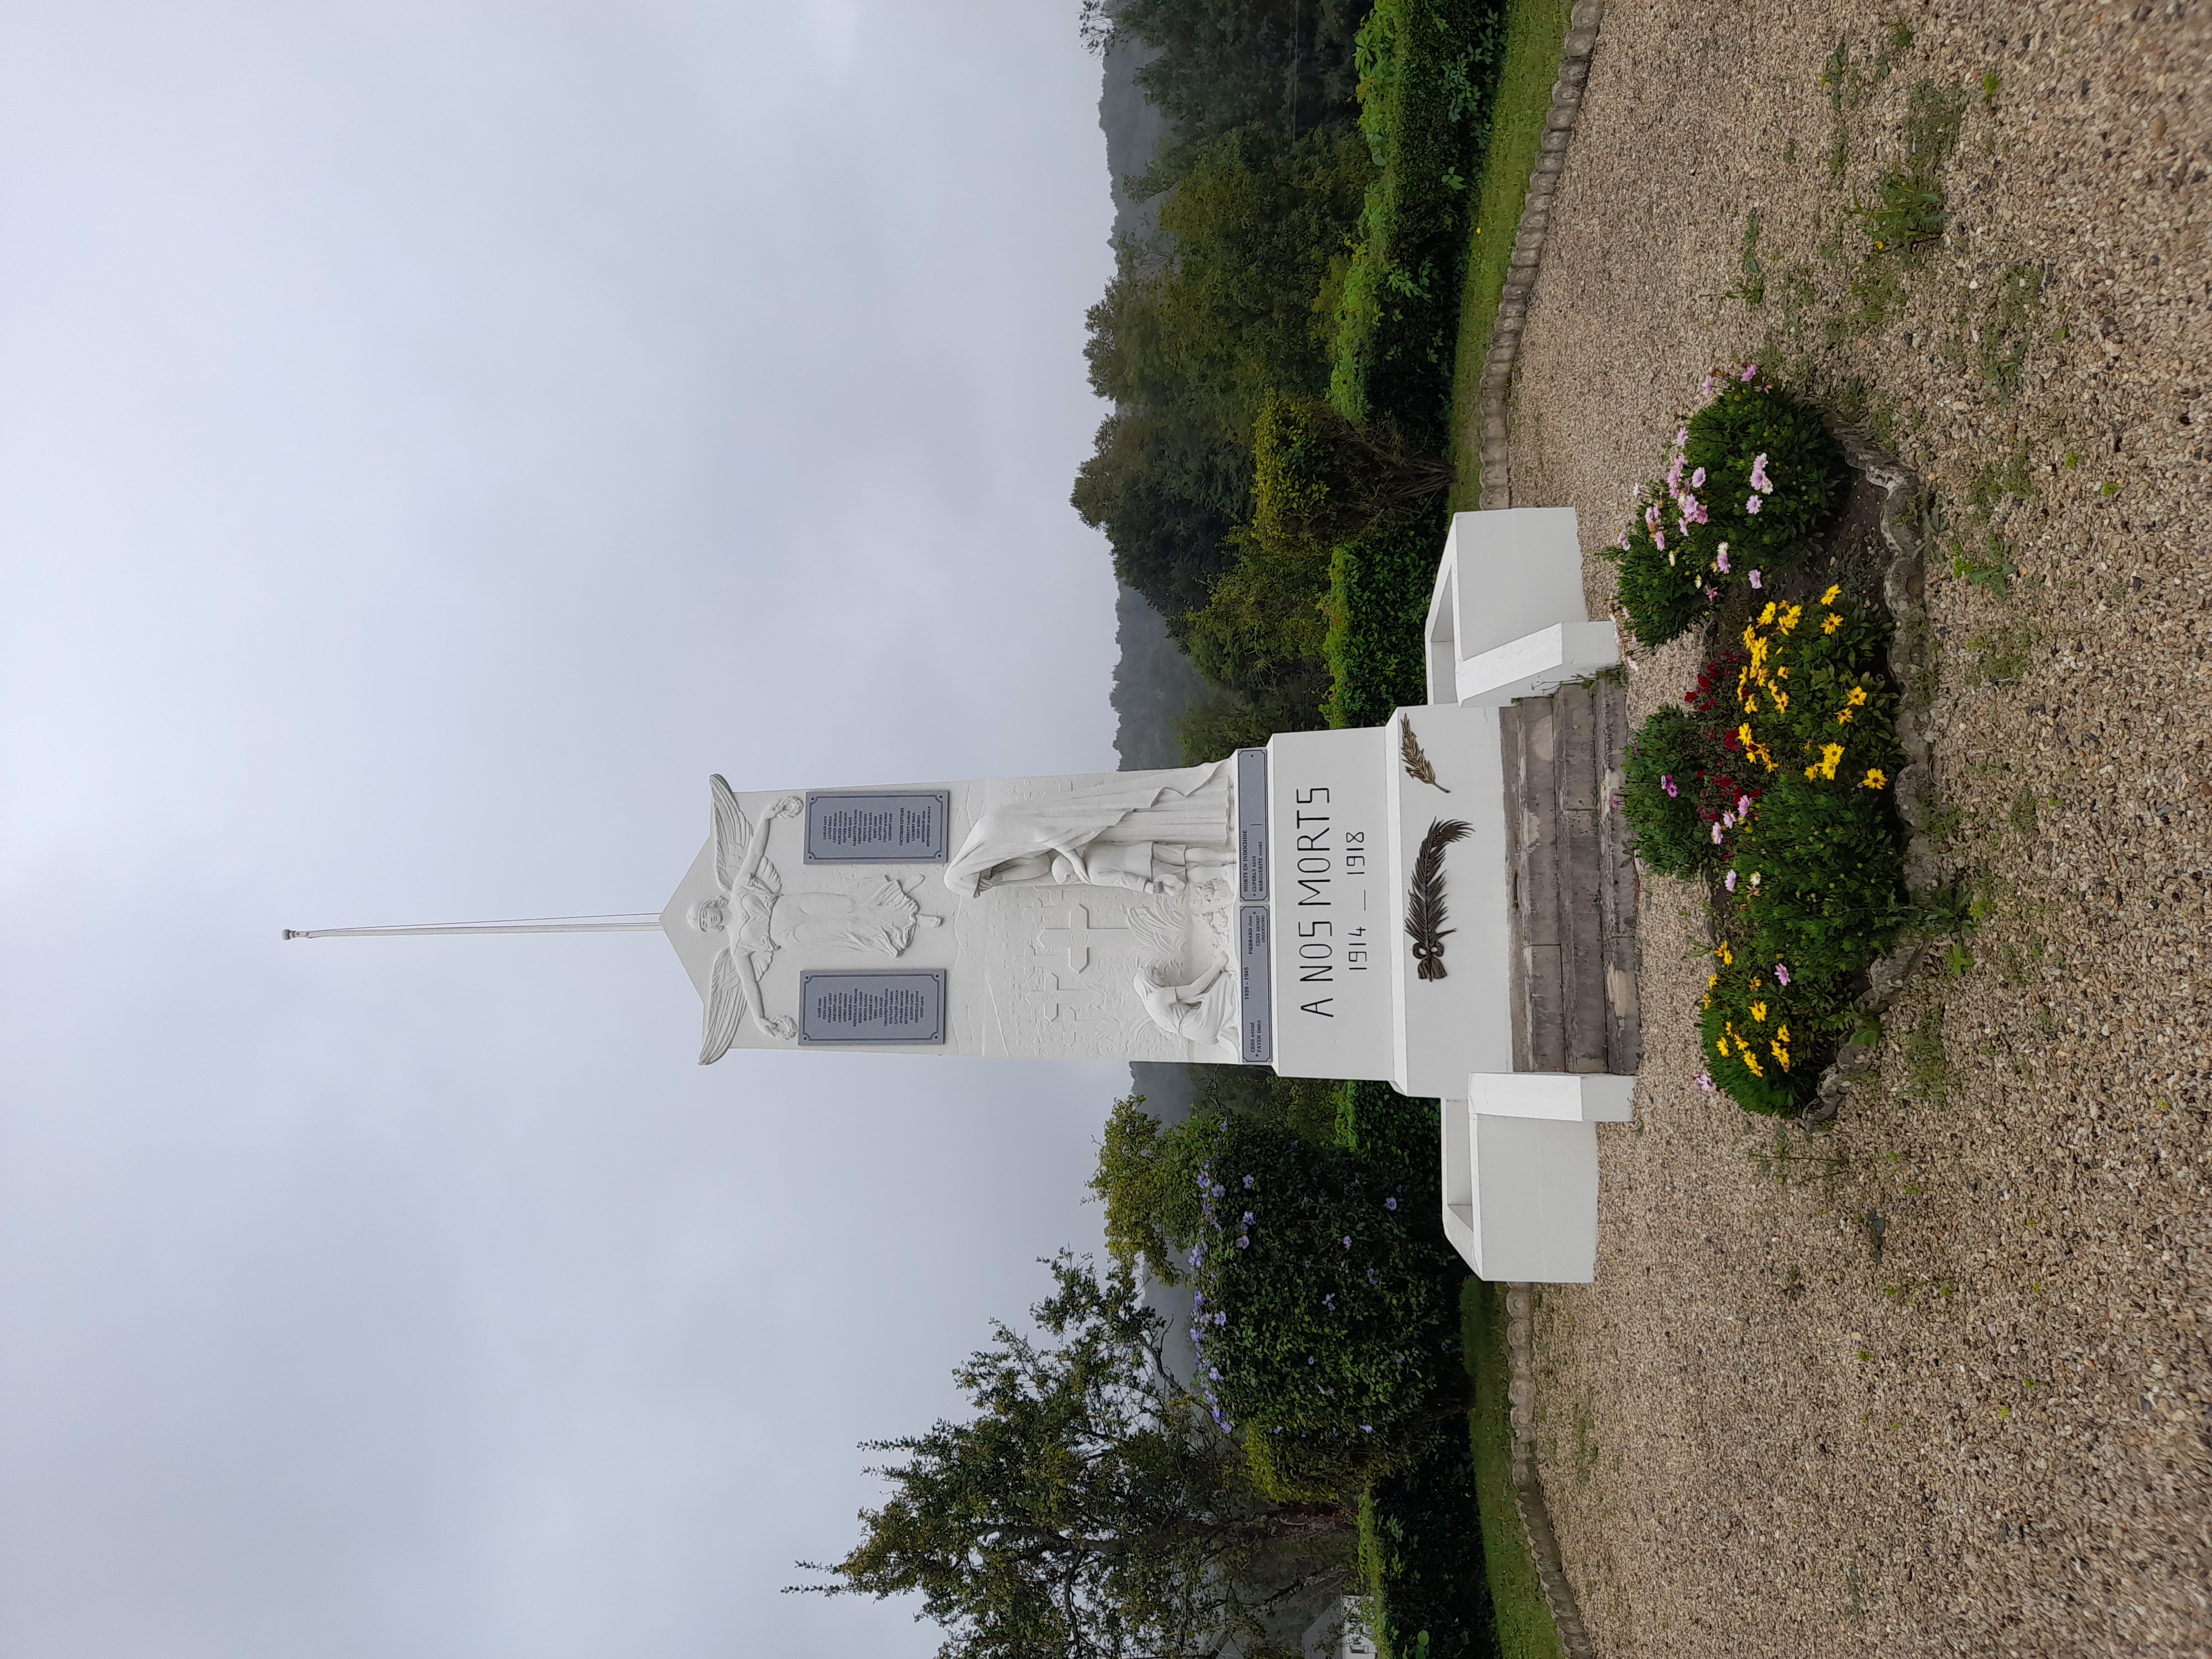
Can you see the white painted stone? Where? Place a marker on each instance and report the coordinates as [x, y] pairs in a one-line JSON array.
[[1567, 1097], [1536, 664], [1521, 1196], [1328, 836], [1462, 1022], [1504, 574]]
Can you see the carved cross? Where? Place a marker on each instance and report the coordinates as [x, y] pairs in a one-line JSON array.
[[1075, 935], [1055, 999]]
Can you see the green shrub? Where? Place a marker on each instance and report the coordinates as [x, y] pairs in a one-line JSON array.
[[1676, 768], [1816, 871], [1427, 72], [1388, 1130], [1754, 480], [1324, 1288], [1378, 605], [1326, 1463], [1421, 1558], [1318, 479], [1147, 1180]]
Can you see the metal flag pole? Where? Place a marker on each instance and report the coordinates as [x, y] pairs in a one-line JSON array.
[[630, 922]]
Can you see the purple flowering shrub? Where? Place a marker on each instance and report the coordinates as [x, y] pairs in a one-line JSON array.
[[1753, 478], [1326, 1298]]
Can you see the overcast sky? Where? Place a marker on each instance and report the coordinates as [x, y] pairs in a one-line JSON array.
[[433, 438]]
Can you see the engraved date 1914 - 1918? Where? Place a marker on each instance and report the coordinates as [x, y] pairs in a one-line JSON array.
[[1322, 852]]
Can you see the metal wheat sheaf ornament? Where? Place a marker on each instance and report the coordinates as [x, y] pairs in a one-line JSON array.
[[1425, 896], [1409, 753]]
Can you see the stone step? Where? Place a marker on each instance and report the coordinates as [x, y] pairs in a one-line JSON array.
[[1572, 916]]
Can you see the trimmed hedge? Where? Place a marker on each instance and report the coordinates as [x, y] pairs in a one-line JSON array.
[[1428, 72], [1325, 1291], [1421, 1558], [1377, 608]]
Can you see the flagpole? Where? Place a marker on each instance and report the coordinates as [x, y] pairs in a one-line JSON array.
[[631, 923]]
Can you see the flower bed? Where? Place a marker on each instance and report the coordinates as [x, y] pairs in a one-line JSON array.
[[1754, 480], [1772, 785]]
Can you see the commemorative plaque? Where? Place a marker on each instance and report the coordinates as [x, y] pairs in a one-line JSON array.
[[1252, 825], [852, 828], [905, 1005], [1257, 1030]]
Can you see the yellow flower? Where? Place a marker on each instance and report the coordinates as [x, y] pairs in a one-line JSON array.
[[1781, 698], [1790, 617], [1750, 637], [1752, 1060], [1829, 597], [1813, 771], [1759, 1011], [1780, 1054], [1720, 1047], [1831, 753], [1743, 732], [1751, 705], [1767, 615], [1727, 956], [1858, 697], [1783, 1033], [1831, 624], [1873, 778], [1844, 718]]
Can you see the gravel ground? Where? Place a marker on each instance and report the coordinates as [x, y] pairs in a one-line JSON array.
[[1938, 1381]]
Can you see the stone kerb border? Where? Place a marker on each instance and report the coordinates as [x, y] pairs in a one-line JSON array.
[[1504, 353]]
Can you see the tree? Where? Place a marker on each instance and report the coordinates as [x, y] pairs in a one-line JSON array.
[[1089, 1510]]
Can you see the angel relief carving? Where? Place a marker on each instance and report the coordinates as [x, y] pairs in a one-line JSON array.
[[754, 918]]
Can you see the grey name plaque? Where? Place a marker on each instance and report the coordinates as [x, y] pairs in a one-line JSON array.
[[1252, 825], [908, 827], [1256, 1039], [906, 1006]]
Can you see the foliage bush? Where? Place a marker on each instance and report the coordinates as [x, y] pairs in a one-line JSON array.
[[1427, 72], [1378, 605], [1325, 1295], [1754, 479], [1421, 1557], [1814, 873]]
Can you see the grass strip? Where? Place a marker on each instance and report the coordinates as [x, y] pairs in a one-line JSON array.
[[1523, 1618], [1536, 36]]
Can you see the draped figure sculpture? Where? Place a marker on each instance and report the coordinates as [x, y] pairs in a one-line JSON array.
[[1151, 832], [755, 918]]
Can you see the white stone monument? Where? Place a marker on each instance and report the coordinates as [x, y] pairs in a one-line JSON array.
[[1334, 905]]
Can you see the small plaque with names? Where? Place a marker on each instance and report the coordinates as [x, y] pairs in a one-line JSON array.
[[1256, 1031], [906, 1006], [908, 827], [1252, 825]]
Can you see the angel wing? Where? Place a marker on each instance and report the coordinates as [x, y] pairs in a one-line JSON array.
[[726, 1005], [732, 834]]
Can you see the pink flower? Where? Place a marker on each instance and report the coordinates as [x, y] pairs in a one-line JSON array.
[[1760, 481], [1752, 506], [1729, 881], [1743, 806], [1705, 1081], [1651, 516], [1708, 387], [1667, 784], [1659, 540], [1721, 559], [1681, 437], [1716, 834], [1728, 820], [1698, 479], [1781, 973], [1755, 583], [1712, 592], [1749, 369]]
